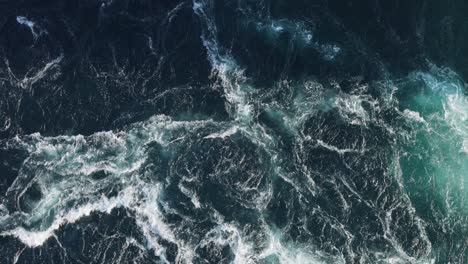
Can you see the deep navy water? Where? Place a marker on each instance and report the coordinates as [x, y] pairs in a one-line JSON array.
[[233, 131]]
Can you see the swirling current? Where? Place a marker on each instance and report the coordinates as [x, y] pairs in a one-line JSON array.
[[233, 131]]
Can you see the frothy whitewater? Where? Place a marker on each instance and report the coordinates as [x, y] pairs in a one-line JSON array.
[[281, 182]]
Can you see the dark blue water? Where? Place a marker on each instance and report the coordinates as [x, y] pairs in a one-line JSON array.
[[247, 131]]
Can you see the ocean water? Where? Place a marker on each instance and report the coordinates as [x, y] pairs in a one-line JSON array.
[[222, 131]]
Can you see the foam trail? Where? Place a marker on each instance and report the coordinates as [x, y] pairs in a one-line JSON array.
[[64, 168], [22, 20]]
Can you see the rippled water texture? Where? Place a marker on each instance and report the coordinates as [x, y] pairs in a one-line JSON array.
[[233, 132]]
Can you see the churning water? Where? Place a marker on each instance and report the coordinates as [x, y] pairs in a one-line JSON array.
[[232, 132]]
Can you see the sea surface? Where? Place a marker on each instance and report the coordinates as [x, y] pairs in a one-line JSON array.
[[233, 131]]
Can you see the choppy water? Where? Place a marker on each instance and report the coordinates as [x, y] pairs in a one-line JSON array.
[[211, 131]]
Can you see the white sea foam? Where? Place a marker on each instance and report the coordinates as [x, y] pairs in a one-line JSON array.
[[28, 81], [449, 95], [31, 25], [351, 108], [34, 238], [456, 114], [142, 200], [62, 166], [338, 150], [414, 116], [193, 197], [292, 254], [24, 21], [229, 132]]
